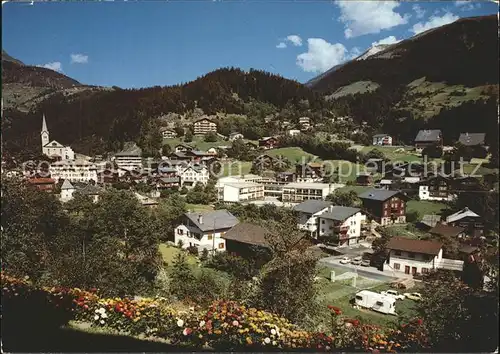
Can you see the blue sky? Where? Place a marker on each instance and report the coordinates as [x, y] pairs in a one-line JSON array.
[[141, 44]]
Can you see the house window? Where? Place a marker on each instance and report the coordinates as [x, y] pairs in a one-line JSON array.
[[180, 232], [425, 270], [397, 253], [411, 255], [221, 245], [322, 221], [397, 266], [210, 236]]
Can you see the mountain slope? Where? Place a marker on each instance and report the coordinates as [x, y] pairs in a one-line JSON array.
[[464, 52]]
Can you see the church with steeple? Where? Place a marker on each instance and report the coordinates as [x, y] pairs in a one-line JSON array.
[[54, 149]]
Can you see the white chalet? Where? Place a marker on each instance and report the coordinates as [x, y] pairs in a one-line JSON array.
[[410, 256], [341, 225], [308, 214], [67, 190], [205, 230]]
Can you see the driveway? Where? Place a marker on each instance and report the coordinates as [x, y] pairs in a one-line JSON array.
[[367, 272]]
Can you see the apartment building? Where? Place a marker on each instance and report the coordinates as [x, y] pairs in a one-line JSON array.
[[204, 126], [129, 159], [73, 170], [299, 192], [241, 192], [194, 174], [308, 213]]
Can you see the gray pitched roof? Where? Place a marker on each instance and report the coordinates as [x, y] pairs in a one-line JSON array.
[[247, 233], [430, 220], [312, 206], [218, 219], [471, 139], [428, 135], [380, 135], [67, 185], [339, 213], [378, 194], [90, 189], [465, 212]]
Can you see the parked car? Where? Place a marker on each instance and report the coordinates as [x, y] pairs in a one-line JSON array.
[[365, 263], [413, 296], [345, 260], [394, 294], [357, 261]]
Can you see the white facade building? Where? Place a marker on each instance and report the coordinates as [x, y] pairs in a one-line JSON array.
[[342, 225], [240, 192], [205, 230], [194, 174], [309, 212], [53, 148], [130, 159], [410, 256], [67, 190], [299, 192], [74, 170], [424, 193]]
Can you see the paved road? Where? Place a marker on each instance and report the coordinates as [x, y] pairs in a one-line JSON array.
[[367, 272]]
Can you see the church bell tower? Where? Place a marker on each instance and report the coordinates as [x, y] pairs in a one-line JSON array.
[[44, 133]]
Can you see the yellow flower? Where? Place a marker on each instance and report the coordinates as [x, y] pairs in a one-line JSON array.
[[249, 340]]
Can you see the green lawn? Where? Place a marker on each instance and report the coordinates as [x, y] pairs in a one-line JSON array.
[[236, 168], [357, 189], [425, 207], [293, 154], [391, 154], [198, 207], [168, 253], [400, 230]]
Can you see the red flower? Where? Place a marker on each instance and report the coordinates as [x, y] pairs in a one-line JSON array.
[[419, 321]]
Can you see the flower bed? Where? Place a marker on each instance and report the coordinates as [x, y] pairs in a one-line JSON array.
[[225, 325]]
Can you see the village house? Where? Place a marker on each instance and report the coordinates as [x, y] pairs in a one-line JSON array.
[[293, 132], [299, 192], [67, 190], [309, 172], [468, 220], [384, 206], [54, 149], [444, 230], [308, 213], [305, 123], [426, 138], [89, 190], [382, 139], [437, 187], [74, 170], [235, 136], [182, 148], [364, 179], [251, 146], [411, 256], [204, 126], [43, 184], [472, 139], [168, 133], [205, 230], [193, 174], [246, 240], [340, 225], [146, 201], [268, 142], [285, 177]]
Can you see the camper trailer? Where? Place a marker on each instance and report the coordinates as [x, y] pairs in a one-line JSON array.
[[376, 302]]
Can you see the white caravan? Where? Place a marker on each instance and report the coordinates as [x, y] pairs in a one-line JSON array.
[[377, 302]]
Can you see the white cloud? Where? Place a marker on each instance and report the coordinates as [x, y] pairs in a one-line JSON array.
[[434, 21], [322, 55], [55, 65], [295, 40], [365, 17], [79, 59], [466, 5], [419, 12], [281, 45], [386, 40]]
